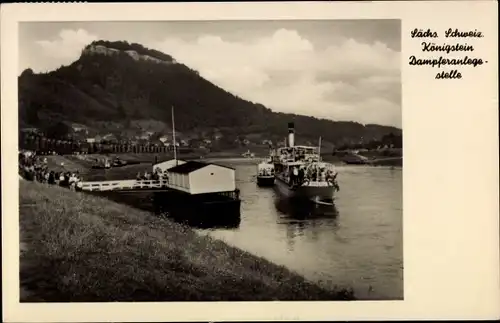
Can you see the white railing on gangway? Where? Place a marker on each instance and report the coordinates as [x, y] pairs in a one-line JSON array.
[[122, 185]]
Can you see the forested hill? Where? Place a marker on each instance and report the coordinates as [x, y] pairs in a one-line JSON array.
[[116, 86]]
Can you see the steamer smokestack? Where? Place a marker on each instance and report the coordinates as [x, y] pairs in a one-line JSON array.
[[291, 134]]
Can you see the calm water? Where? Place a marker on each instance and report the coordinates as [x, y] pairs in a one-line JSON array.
[[357, 243]]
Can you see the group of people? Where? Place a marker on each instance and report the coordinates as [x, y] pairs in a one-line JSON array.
[[266, 172], [298, 155], [156, 175], [34, 168], [319, 173], [299, 175]]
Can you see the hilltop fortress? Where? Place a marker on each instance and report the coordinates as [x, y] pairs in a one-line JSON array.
[[108, 51]]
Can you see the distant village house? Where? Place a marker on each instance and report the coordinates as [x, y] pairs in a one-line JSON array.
[[96, 139]]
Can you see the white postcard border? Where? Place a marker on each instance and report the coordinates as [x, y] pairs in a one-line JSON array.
[[451, 243]]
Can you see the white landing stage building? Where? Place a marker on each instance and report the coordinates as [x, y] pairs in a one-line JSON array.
[[201, 191]]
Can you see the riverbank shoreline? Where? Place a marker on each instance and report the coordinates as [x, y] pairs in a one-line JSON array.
[[84, 163], [83, 248]]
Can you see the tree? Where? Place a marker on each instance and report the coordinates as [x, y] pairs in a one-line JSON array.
[[57, 130], [122, 113]]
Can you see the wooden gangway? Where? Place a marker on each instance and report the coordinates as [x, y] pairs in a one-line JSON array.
[[124, 185]]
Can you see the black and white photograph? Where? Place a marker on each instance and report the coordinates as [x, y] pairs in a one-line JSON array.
[[210, 161], [218, 162]]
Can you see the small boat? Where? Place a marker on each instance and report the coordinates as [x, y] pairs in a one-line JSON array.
[[248, 154], [265, 173], [354, 158], [102, 164], [119, 163]]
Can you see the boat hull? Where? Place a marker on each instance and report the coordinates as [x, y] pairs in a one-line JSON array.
[[322, 193], [265, 180], [114, 165], [355, 160], [202, 211]]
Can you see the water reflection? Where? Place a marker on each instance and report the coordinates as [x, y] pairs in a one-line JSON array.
[[149, 201], [305, 220], [301, 210]]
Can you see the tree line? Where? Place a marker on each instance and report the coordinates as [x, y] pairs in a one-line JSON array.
[[44, 145], [390, 140]]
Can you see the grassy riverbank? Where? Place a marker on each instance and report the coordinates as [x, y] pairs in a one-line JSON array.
[[78, 247]]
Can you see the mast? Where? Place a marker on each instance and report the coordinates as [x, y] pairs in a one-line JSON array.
[[319, 149], [319, 159], [173, 136]]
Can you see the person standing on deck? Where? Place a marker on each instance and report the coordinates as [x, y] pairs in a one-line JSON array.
[[314, 173], [294, 175], [322, 174], [301, 175]]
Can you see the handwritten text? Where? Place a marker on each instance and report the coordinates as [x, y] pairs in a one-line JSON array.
[[432, 45]]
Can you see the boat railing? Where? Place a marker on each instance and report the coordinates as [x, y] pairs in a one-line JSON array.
[[317, 183], [234, 195], [266, 172], [123, 184]]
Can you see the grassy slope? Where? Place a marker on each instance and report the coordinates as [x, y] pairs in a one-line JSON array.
[[70, 163], [83, 248]]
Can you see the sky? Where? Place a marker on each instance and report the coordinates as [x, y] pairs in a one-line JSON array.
[[344, 70]]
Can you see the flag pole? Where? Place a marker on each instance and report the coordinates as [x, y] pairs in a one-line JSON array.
[[319, 149], [173, 135]]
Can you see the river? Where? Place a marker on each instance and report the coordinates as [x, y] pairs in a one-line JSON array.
[[357, 243]]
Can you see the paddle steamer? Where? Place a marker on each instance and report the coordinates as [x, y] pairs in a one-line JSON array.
[[300, 172]]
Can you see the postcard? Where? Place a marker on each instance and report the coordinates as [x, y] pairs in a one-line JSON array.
[[250, 161]]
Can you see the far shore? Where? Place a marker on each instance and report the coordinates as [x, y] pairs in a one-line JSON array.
[[85, 162]]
